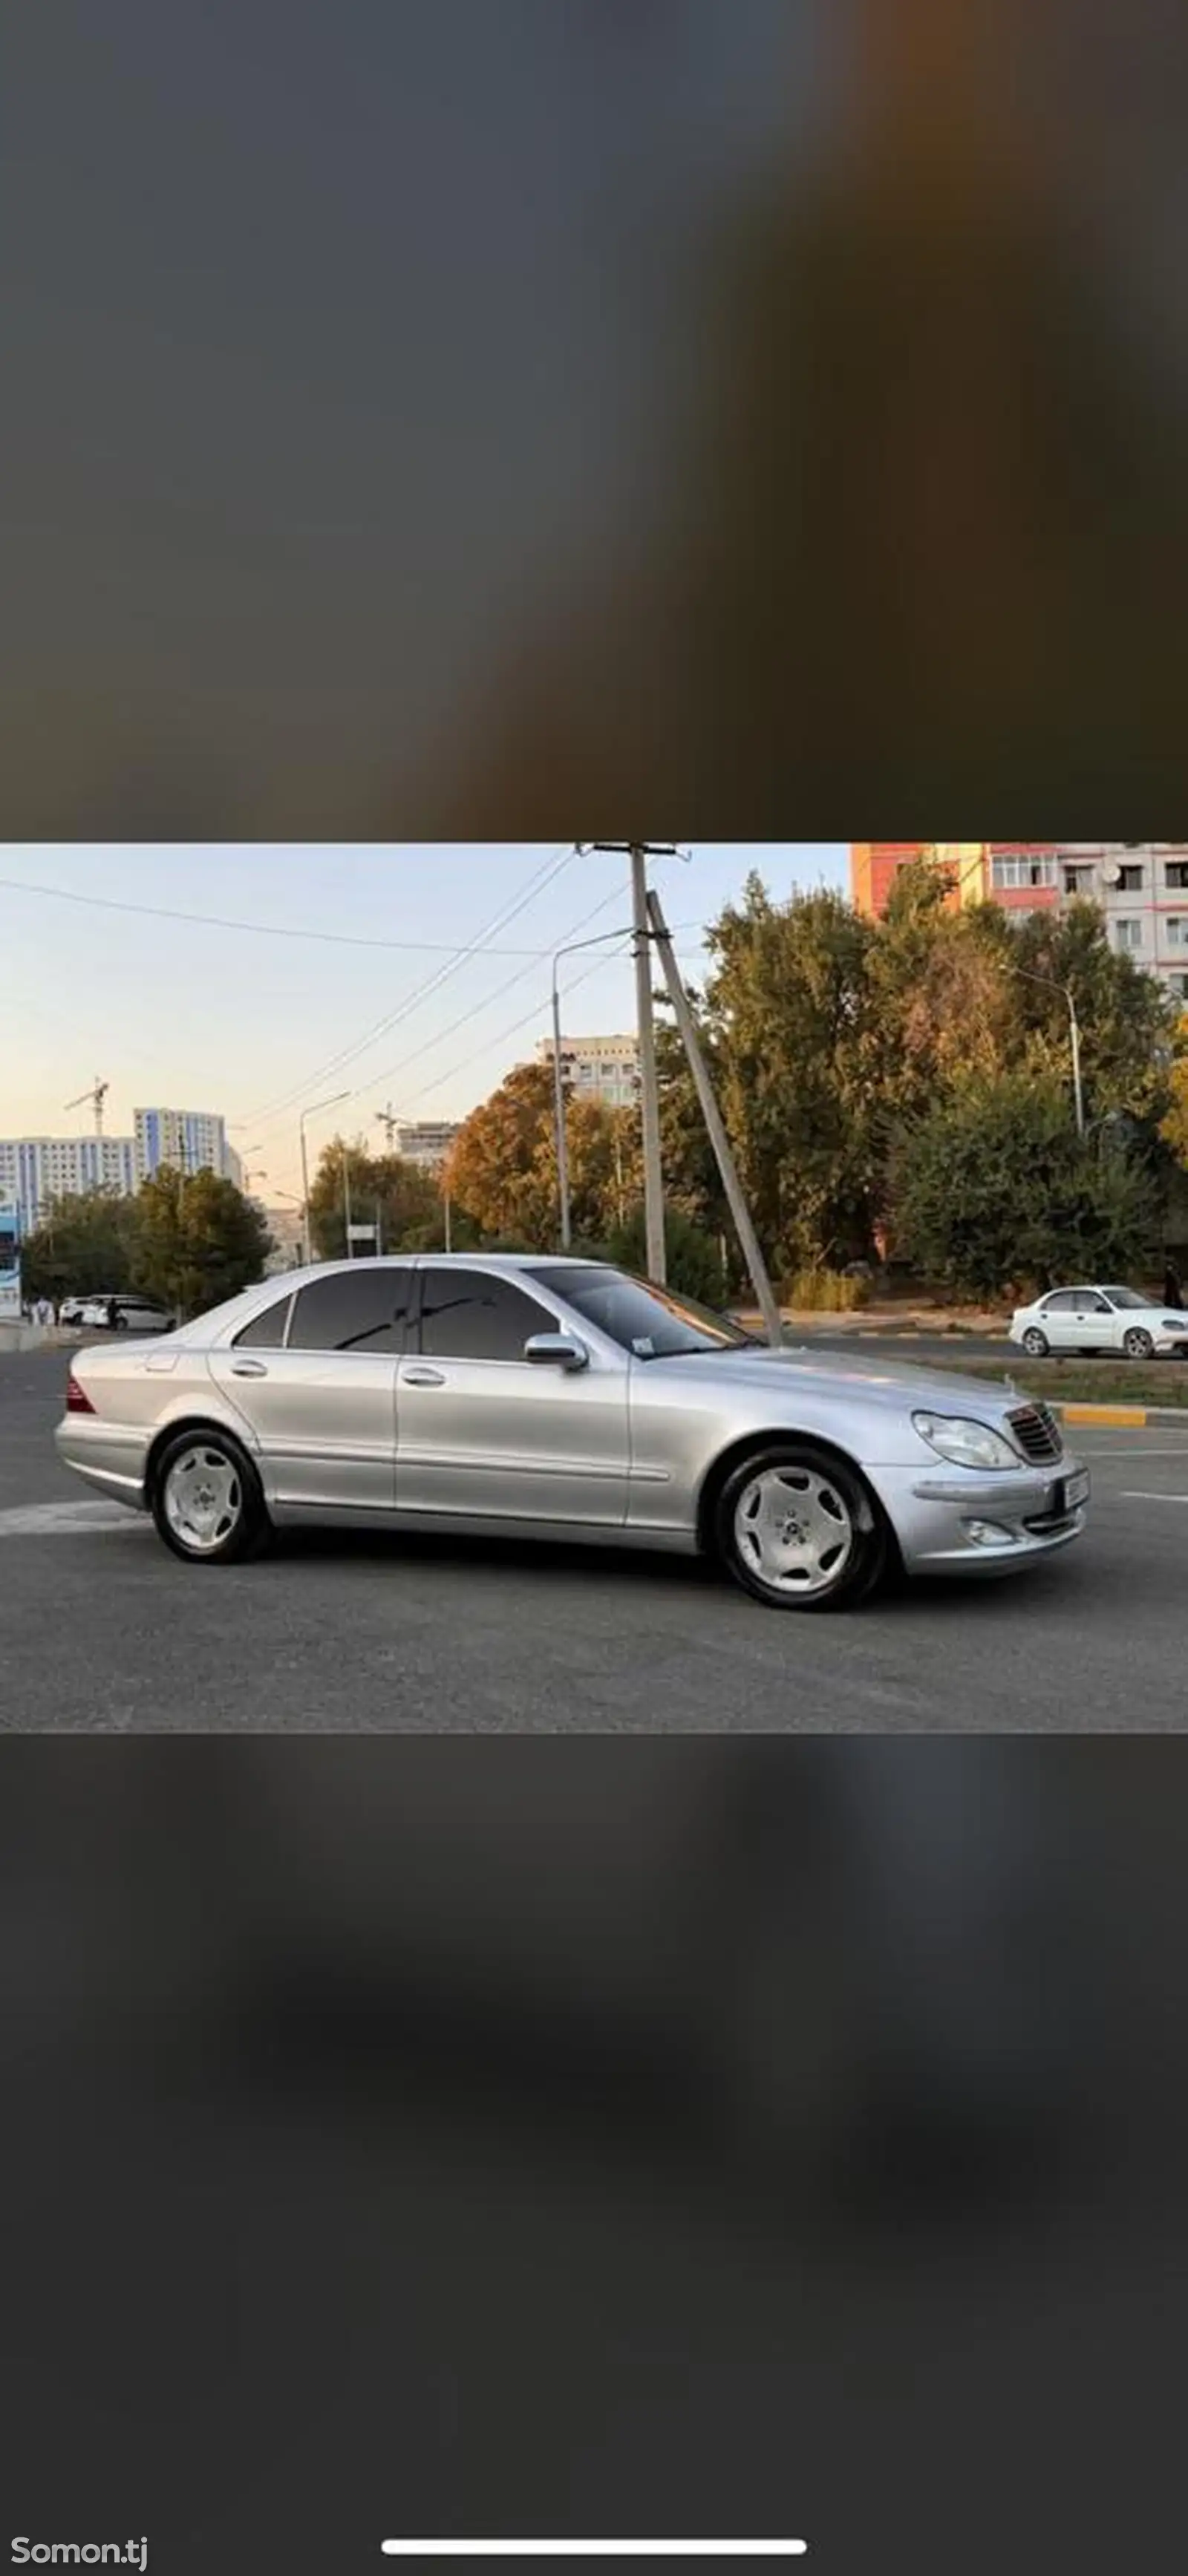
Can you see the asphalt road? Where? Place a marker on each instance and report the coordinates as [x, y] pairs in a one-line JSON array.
[[102, 1631]]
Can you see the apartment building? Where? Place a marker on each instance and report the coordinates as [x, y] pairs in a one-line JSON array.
[[37, 1169], [189, 1140], [599, 1068], [1141, 887]]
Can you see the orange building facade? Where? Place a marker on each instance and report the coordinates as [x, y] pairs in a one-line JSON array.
[[1021, 876]]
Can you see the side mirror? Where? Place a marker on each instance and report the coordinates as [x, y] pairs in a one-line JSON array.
[[556, 1350]]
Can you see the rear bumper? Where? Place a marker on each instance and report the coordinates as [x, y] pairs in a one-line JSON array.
[[106, 1455], [949, 1520]]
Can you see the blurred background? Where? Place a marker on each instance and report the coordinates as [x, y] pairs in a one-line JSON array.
[[547, 2137], [768, 420]]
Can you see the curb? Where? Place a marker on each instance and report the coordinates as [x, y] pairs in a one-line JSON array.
[[1122, 1417]]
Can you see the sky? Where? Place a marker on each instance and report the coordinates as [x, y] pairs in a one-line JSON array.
[[233, 1012]]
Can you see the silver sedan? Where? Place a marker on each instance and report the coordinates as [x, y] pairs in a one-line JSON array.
[[560, 1399]]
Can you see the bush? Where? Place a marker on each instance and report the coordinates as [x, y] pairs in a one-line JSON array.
[[694, 1261], [815, 1292]]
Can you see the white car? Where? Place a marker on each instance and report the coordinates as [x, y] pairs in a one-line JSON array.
[[133, 1314], [1099, 1319]]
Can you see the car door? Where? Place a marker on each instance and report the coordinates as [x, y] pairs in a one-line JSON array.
[[1100, 1325], [1059, 1319], [485, 1434], [315, 1377]]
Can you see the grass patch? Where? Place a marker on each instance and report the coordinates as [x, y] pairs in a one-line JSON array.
[[1085, 1381]]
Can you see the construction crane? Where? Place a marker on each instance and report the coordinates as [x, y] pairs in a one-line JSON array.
[[93, 1099]]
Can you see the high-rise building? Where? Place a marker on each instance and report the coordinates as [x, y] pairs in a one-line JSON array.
[[599, 1068], [1141, 887], [189, 1140], [36, 1169]]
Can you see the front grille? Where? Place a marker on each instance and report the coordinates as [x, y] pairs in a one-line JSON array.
[[1037, 1433]]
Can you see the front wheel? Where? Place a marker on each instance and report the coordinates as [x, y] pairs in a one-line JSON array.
[[1035, 1343], [208, 1503], [798, 1530], [1137, 1344]]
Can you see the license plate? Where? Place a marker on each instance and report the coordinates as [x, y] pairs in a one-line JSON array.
[[1073, 1492]]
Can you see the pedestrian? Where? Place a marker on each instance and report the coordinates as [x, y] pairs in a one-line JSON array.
[[112, 1314], [1173, 1289]]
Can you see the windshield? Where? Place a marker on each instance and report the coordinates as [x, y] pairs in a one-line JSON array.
[[652, 1323], [1124, 1297]]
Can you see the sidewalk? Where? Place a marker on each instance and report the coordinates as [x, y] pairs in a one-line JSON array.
[[890, 1320]]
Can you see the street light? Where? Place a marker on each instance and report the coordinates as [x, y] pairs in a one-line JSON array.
[[602, 940], [314, 1112], [1074, 1032]]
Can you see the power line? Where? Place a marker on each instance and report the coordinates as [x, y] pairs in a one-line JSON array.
[[543, 878], [256, 929], [389, 1072], [530, 1017]]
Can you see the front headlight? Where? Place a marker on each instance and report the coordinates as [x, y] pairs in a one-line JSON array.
[[964, 1444]]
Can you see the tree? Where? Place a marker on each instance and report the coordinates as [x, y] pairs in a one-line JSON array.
[[1174, 1127], [502, 1168], [405, 1197], [993, 1189], [198, 1240], [693, 1258], [84, 1246]]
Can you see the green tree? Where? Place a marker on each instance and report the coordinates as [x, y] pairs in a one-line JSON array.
[[693, 1258], [198, 1240], [84, 1245], [406, 1198], [995, 1190], [1174, 1125]]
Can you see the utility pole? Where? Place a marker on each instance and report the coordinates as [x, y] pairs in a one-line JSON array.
[[387, 1119], [683, 1013], [639, 852]]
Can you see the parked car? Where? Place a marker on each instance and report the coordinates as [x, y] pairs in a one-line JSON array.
[[1099, 1319], [561, 1399], [133, 1314]]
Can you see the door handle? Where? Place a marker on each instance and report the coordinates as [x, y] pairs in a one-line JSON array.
[[249, 1368], [423, 1377]]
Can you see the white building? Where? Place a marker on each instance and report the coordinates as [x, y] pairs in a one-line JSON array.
[[1141, 886], [599, 1068], [189, 1140], [36, 1169]]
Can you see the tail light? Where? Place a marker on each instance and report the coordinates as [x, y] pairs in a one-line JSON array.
[[77, 1399]]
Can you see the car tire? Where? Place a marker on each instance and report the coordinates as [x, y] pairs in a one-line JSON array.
[[1137, 1344], [1035, 1343], [207, 1501], [838, 1543]]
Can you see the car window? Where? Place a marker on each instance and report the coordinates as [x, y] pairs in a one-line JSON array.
[[652, 1323], [353, 1310], [1095, 1306], [1065, 1302], [1126, 1297], [266, 1331], [468, 1315]]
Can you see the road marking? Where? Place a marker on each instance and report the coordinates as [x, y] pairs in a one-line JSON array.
[[1153, 1498], [64, 1520]]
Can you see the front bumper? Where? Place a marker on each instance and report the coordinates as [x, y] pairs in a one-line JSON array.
[[954, 1520]]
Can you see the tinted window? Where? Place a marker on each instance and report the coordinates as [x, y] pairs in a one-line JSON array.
[[465, 1316], [651, 1322], [266, 1332], [353, 1310], [1066, 1303]]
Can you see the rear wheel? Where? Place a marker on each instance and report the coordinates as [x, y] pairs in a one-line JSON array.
[[1035, 1343], [799, 1531], [1137, 1344], [207, 1501]]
